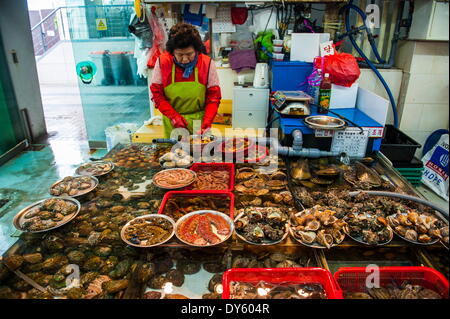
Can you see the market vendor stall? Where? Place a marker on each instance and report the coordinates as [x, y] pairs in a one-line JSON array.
[[133, 238]]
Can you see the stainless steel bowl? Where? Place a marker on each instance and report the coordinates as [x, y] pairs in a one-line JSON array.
[[122, 232], [94, 184], [361, 241], [81, 169], [412, 241], [323, 122], [194, 177], [19, 218]]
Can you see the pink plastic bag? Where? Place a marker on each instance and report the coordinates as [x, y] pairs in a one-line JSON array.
[[159, 39]]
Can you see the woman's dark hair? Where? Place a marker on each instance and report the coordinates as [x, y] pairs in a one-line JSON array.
[[183, 35]]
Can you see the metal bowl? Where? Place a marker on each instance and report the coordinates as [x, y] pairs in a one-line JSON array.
[[412, 241], [194, 177], [80, 169], [19, 218], [200, 212], [359, 239], [323, 122], [314, 245], [264, 243], [122, 232], [83, 192]]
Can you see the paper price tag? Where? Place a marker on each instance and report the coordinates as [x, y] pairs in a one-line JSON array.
[[324, 133], [351, 141], [326, 48], [375, 131]]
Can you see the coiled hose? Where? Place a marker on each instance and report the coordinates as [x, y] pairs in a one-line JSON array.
[[347, 8]]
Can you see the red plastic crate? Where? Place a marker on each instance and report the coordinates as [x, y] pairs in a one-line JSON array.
[[279, 275], [353, 279], [197, 167], [194, 193]]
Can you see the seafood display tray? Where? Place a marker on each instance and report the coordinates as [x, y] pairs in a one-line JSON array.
[[279, 275], [195, 193], [353, 279], [229, 167]]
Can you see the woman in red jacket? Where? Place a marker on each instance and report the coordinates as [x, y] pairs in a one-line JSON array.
[[185, 84]]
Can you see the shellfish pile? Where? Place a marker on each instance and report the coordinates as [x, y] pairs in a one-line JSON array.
[[262, 225], [73, 186], [318, 227], [418, 227], [148, 230], [250, 181], [97, 168], [137, 156], [368, 229], [406, 291], [177, 158], [179, 205], [265, 290], [48, 214]]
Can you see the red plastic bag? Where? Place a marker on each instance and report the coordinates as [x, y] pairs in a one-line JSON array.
[[342, 67]]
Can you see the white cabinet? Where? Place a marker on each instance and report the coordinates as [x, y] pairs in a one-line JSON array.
[[430, 20], [250, 107]]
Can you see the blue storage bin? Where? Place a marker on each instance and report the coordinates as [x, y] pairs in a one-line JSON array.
[[290, 75]]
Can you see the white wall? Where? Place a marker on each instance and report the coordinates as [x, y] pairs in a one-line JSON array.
[[425, 96], [15, 32]]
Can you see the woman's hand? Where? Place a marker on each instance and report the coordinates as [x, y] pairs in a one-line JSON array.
[[178, 121]]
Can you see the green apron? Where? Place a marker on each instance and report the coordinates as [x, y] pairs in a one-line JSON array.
[[187, 98]]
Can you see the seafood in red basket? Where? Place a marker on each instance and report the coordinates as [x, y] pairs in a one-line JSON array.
[[204, 229], [212, 179]]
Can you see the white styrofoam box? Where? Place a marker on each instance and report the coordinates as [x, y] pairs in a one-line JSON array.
[[343, 97], [306, 46]]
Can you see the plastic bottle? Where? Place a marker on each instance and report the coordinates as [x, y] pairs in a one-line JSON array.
[[315, 86], [325, 94]]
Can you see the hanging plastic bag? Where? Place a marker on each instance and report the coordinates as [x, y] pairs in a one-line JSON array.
[[120, 133], [142, 31], [159, 39], [435, 174], [342, 67]]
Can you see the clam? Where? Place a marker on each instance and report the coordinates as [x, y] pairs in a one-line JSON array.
[[258, 232], [424, 238], [325, 239], [312, 225], [308, 184], [307, 237], [321, 181], [411, 234], [328, 172], [300, 170]]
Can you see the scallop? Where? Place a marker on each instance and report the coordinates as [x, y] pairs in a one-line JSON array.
[[312, 225], [169, 165], [307, 237], [411, 235]]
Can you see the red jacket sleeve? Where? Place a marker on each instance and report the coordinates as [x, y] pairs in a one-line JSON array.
[[213, 97], [160, 100]]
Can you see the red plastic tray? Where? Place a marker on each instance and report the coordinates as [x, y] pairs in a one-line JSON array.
[[353, 279], [195, 193], [279, 275], [196, 167]]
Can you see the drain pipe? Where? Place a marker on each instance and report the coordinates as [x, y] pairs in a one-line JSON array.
[[296, 150]]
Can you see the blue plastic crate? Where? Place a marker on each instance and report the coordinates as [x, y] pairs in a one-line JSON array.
[[290, 75]]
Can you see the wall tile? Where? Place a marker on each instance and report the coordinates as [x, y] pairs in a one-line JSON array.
[[434, 117], [411, 117], [427, 88]]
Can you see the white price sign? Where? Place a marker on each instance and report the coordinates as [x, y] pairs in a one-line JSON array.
[[351, 141]]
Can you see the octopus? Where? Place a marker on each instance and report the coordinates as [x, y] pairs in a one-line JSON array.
[[148, 231], [198, 229]]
